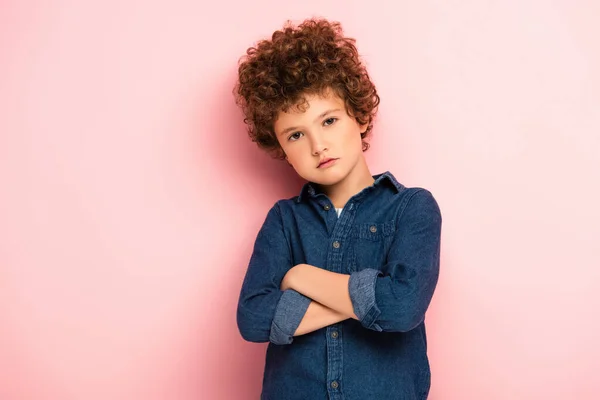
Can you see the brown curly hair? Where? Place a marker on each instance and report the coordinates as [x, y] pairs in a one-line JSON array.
[[311, 58]]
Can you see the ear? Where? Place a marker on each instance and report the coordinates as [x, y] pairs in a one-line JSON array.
[[363, 128]]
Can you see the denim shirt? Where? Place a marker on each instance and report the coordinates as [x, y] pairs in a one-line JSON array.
[[387, 239]]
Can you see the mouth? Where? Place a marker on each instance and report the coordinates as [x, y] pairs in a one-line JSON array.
[[327, 162]]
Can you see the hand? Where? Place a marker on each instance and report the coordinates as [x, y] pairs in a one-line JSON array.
[[286, 283]]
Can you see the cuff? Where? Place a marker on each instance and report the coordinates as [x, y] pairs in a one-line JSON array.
[[289, 312], [361, 287]]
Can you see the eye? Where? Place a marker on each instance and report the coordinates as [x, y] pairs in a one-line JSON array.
[[294, 136], [329, 121]]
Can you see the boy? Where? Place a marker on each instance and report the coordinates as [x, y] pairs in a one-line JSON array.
[[340, 276]]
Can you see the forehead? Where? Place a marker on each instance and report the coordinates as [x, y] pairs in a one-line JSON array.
[[310, 106]]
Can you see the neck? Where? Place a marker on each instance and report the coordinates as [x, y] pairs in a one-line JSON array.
[[358, 179]]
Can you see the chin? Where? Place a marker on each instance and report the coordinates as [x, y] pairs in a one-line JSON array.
[[327, 178]]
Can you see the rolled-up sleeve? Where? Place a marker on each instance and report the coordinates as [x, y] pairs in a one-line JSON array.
[[264, 312], [395, 297], [289, 313]]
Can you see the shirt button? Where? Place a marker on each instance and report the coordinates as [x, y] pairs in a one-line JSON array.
[[335, 384], [373, 228], [336, 244], [326, 207], [334, 334]]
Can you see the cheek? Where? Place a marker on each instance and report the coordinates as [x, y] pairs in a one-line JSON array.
[[353, 141], [294, 156]]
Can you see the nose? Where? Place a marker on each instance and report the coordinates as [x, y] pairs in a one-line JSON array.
[[318, 145]]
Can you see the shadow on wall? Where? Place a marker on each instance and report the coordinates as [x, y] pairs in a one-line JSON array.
[[219, 362], [234, 156]]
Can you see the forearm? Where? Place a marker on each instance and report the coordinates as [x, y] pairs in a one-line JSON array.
[[318, 316], [325, 287]]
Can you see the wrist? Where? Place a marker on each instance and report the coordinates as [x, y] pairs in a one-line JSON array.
[[289, 280], [292, 276]]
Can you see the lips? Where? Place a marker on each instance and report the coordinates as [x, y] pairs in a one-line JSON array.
[[325, 161]]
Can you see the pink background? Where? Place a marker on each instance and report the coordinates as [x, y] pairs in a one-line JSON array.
[[131, 196]]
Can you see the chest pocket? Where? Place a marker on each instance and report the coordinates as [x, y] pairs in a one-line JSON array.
[[370, 245]]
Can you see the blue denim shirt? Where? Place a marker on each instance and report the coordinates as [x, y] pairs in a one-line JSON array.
[[387, 239]]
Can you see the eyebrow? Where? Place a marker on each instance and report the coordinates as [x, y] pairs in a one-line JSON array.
[[293, 128]]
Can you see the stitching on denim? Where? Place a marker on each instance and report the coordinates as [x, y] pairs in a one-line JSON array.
[[404, 204]]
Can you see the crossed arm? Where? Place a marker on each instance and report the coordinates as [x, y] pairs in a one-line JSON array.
[[278, 303], [329, 294]]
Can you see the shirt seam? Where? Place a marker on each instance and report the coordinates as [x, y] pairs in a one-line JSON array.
[[278, 211], [404, 205]]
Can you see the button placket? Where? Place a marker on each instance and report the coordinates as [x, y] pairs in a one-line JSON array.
[[335, 363]]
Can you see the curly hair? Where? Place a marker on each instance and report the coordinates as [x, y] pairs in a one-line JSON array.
[[311, 58]]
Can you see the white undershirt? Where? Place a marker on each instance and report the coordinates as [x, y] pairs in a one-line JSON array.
[[339, 211]]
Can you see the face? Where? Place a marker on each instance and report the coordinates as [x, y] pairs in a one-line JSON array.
[[324, 131]]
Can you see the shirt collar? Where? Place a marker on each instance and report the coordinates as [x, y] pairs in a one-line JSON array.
[[310, 189]]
